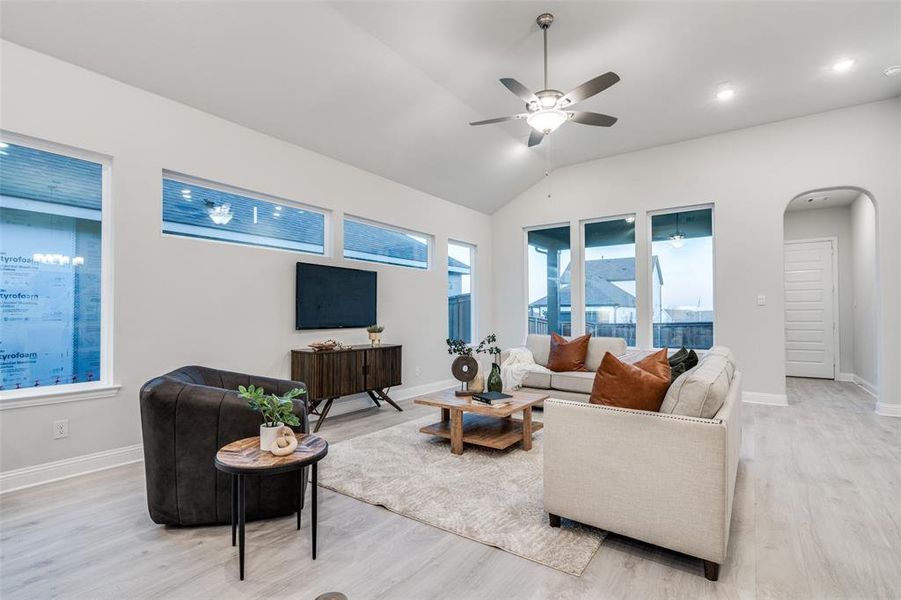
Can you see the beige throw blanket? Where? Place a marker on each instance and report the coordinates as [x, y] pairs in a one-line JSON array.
[[518, 364]]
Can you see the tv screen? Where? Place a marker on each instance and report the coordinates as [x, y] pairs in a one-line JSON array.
[[334, 297]]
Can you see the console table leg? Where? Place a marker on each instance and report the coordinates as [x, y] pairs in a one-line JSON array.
[[321, 420], [456, 431], [388, 399], [373, 397], [314, 501]]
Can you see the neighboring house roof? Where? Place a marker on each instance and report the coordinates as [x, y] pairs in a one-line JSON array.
[[47, 177], [611, 269], [599, 289], [456, 266], [600, 293]]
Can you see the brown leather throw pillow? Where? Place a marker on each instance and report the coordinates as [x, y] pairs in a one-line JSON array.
[[568, 355], [641, 386]]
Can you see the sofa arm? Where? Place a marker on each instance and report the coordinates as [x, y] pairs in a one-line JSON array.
[[654, 477]]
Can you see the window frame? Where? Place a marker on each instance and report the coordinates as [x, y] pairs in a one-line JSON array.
[[105, 386], [649, 246], [430, 243], [261, 197], [582, 253], [525, 266], [473, 288]]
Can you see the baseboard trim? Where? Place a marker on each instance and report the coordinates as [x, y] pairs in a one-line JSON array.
[[866, 385], [27, 477], [351, 404], [763, 398], [847, 377], [888, 410]]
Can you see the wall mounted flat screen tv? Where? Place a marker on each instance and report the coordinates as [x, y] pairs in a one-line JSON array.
[[334, 297]]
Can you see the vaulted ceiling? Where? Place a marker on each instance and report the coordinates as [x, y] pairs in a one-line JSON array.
[[391, 86]]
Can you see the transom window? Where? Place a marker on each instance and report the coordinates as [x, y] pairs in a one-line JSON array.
[[216, 212], [364, 240]]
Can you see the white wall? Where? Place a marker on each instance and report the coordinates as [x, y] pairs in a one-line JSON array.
[[833, 223], [181, 301], [750, 175], [866, 292]]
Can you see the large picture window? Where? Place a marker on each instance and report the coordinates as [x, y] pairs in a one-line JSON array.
[[216, 212], [682, 247], [51, 227], [610, 288], [367, 241], [459, 291], [550, 304]]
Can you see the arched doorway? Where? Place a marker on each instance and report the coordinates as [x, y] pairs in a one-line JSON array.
[[831, 311]]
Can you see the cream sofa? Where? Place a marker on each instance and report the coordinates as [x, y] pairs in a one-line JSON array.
[[661, 477], [567, 385]]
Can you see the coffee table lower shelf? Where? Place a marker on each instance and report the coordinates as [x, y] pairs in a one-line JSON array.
[[484, 430]]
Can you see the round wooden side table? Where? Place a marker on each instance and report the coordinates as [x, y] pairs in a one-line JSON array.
[[244, 457]]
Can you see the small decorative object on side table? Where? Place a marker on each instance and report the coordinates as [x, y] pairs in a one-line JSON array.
[[244, 457], [375, 334], [277, 411]]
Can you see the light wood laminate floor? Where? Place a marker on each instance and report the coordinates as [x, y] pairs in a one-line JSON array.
[[817, 515]]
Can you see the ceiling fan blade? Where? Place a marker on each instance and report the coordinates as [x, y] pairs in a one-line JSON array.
[[589, 88], [535, 138], [519, 89], [499, 120], [591, 118]]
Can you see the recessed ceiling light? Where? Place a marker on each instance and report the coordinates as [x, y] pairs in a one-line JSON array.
[[725, 93], [843, 65], [892, 71]]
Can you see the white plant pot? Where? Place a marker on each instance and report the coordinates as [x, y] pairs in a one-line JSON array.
[[269, 435], [375, 338]]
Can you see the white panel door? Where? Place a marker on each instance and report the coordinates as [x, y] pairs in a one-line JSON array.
[[809, 310]]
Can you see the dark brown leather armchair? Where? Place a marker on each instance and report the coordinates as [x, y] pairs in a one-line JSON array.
[[186, 416]]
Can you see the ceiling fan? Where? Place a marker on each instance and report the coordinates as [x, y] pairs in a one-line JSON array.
[[548, 109]]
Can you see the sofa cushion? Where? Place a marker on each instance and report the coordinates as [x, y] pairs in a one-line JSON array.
[[540, 345], [534, 379], [641, 386], [568, 355], [573, 381], [701, 391], [599, 346]]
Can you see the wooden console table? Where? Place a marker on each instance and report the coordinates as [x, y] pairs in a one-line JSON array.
[[335, 373]]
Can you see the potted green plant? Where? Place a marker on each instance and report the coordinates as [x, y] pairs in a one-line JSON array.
[[276, 411], [489, 346], [375, 334]]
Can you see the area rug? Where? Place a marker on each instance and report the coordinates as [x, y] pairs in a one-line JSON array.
[[490, 496]]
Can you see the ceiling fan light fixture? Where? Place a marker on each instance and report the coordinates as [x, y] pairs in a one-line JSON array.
[[546, 121]]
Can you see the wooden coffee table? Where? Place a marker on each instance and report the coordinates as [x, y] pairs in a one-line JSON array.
[[464, 420]]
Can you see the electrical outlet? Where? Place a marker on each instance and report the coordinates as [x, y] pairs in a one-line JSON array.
[[61, 429], [418, 371]]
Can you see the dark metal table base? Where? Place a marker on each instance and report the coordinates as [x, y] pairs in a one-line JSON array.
[[374, 395], [239, 507]]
